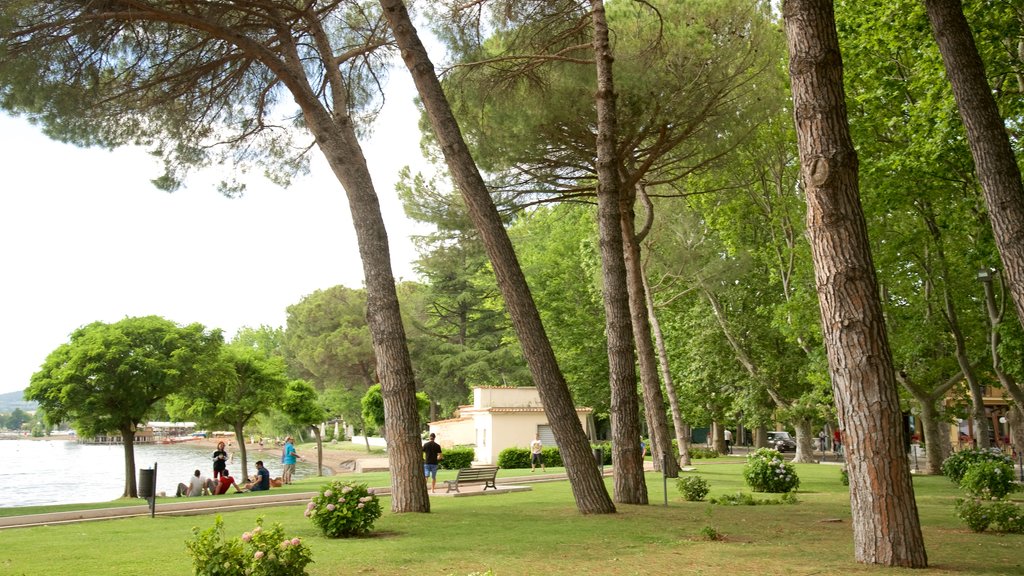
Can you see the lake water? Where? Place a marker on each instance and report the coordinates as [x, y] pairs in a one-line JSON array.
[[44, 472]]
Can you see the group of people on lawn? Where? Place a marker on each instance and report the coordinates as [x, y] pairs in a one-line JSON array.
[[222, 481]]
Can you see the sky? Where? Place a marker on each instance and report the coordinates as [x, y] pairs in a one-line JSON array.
[[86, 237]]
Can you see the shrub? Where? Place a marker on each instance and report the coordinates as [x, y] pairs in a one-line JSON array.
[[979, 514], [844, 476], [766, 471], [457, 457], [711, 534], [552, 457], [744, 499], [261, 552], [956, 465], [991, 479], [698, 453], [693, 488], [1007, 516], [513, 457], [344, 509], [973, 513]]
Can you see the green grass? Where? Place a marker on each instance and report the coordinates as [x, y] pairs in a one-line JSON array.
[[540, 532]]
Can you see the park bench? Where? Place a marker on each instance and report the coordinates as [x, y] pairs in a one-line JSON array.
[[482, 474]]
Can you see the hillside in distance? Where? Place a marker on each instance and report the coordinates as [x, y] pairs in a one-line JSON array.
[[11, 400]]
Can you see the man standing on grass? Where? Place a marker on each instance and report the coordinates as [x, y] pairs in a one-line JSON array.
[[432, 455], [537, 454], [288, 457]]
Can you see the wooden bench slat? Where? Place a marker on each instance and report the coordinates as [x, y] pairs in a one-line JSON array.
[[484, 474]]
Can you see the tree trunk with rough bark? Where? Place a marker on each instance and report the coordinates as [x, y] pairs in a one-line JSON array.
[[654, 400], [994, 159], [128, 441], [630, 485], [885, 522], [584, 475]]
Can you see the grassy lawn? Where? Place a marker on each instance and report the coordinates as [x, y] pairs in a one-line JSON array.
[[540, 532]]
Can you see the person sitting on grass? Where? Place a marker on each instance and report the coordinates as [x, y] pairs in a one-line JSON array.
[[262, 479], [197, 486], [226, 481]]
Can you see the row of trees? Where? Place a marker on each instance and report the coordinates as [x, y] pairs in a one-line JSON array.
[[685, 114]]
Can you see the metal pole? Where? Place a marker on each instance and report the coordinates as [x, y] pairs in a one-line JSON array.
[[1020, 464], [664, 475], [152, 495]]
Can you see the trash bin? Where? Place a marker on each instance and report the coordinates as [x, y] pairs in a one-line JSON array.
[[147, 482]]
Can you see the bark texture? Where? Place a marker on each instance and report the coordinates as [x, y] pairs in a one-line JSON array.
[[630, 485], [584, 475], [886, 527], [994, 159]]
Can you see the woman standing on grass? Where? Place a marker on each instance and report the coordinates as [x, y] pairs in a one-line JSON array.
[[220, 460]]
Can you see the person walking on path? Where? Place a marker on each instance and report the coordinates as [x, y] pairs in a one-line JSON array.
[[432, 455], [220, 460], [288, 457], [537, 454], [728, 441], [821, 441]]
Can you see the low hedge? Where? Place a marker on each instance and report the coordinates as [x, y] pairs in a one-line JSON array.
[[457, 457]]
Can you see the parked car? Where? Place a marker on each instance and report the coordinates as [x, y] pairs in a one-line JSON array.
[[781, 441]]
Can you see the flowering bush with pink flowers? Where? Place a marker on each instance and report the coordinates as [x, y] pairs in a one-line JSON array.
[[260, 552], [344, 509]]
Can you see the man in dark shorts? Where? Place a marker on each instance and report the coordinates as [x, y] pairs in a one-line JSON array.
[[262, 479], [432, 455]]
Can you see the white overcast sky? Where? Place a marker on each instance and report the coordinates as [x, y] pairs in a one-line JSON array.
[[86, 237]]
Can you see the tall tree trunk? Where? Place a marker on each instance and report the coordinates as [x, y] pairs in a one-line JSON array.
[[336, 137], [630, 485], [682, 429], [584, 475], [128, 441], [319, 450], [804, 441], [886, 527], [240, 437], [935, 448], [654, 401], [996, 311], [993, 154]]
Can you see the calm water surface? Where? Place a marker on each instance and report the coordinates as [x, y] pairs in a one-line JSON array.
[[44, 472]]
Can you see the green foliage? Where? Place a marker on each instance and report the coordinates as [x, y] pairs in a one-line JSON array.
[[844, 476], [980, 514], [552, 457], [693, 488], [700, 453], [991, 479], [373, 406], [710, 534], [957, 464], [513, 457], [302, 404], [344, 509], [606, 452], [766, 471], [261, 552], [457, 457], [744, 499]]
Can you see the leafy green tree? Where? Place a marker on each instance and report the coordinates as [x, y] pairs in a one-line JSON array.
[[461, 335], [202, 83], [373, 406], [108, 377], [304, 407], [16, 419], [247, 382]]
